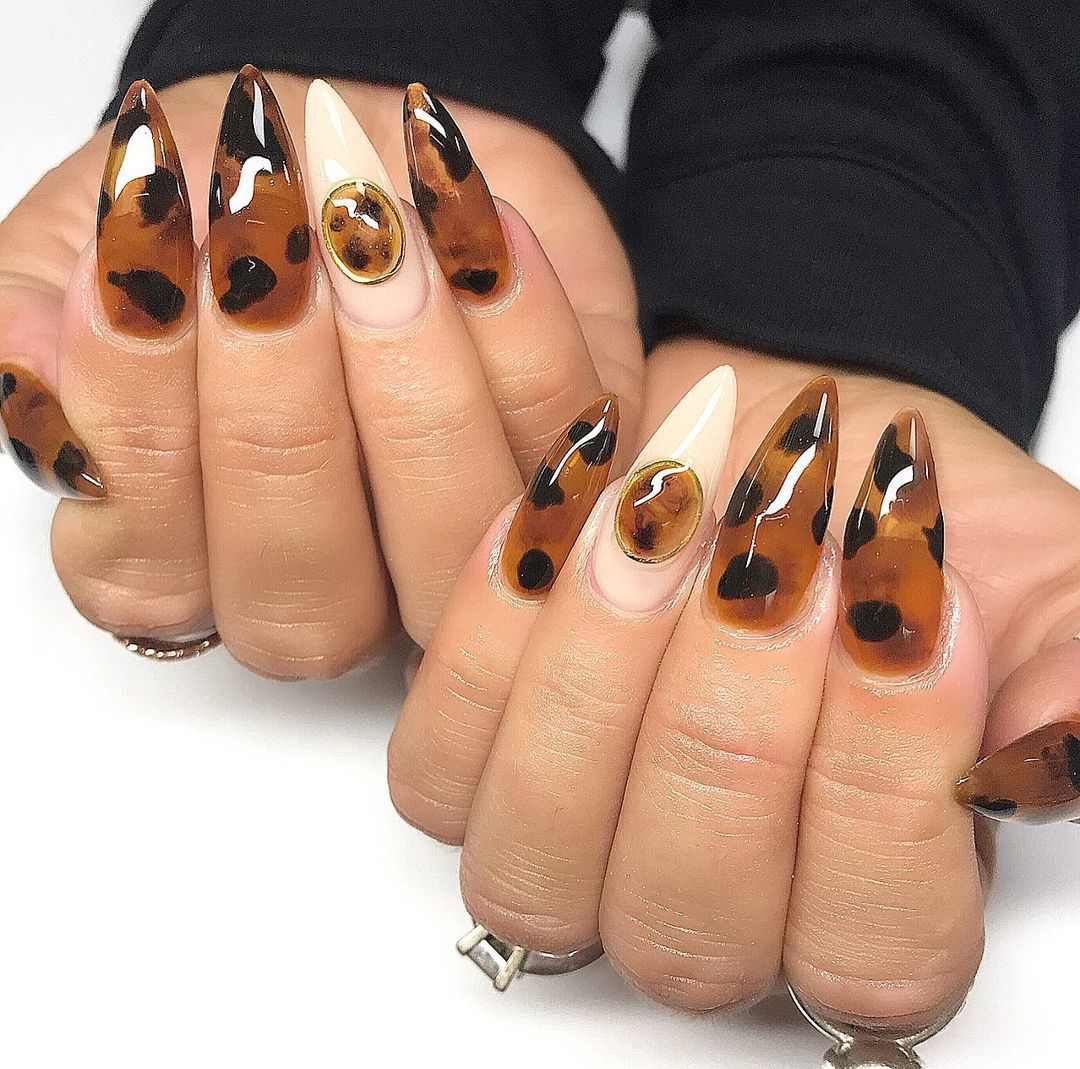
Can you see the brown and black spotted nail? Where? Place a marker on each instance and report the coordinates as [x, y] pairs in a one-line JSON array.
[[260, 237], [891, 580], [1034, 780], [145, 248], [34, 429], [453, 200], [559, 498], [769, 544]]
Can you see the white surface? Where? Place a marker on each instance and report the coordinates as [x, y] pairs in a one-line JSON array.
[[200, 868]]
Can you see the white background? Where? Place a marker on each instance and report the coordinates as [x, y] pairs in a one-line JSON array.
[[201, 868]]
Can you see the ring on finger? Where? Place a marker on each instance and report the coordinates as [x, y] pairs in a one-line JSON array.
[[501, 961]]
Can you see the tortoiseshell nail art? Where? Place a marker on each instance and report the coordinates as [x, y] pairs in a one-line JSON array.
[[260, 240], [770, 537], [559, 499], [891, 581], [363, 231], [41, 440], [453, 200], [658, 511], [1034, 780], [145, 249]]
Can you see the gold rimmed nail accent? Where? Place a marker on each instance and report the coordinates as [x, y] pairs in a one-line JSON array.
[[658, 511], [363, 231]]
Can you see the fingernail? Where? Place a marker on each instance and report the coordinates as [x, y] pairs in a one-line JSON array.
[[769, 544], [1034, 780], [453, 201], [559, 499], [891, 581], [260, 240], [145, 249], [380, 282], [40, 438], [653, 536]]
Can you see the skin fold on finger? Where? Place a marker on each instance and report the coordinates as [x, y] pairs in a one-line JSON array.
[[697, 884], [885, 923], [455, 703], [298, 585], [440, 468], [534, 355], [546, 809]]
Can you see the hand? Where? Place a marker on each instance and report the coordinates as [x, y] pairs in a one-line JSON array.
[[249, 439], [711, 782]]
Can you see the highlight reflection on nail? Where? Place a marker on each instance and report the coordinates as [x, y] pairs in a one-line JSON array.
[[1034, 780], [559, 498], [769, 544]]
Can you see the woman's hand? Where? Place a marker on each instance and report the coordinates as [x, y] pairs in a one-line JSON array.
[[253, 415], [754, 770]]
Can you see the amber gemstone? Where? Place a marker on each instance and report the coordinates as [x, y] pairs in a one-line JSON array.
[[363, 231], [658, 511]]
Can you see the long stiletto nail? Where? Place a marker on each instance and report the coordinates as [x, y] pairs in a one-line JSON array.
[[260, 240], [1034, 780], [559, 499], [891, 581], [646, 550], [379, 280], [145, 249], [770, 537], [41, 440], [453, 200]]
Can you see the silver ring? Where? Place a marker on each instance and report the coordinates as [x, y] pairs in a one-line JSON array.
[[154, 649], [501, 961], [856, 1048]]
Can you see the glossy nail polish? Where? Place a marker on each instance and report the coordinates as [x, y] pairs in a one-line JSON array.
[[891, 580], [260, 240], [1034, 780], [37, 434], [379, 280], [145, 249], [559, 498], [769, 544], [453, 201], [653, 536]]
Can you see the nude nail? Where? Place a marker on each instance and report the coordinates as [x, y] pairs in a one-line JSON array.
[[651, 537], [380, 280]]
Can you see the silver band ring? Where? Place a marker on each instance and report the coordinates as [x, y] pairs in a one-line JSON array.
[[501, 962]]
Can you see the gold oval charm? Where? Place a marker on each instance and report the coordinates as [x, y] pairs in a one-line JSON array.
[[363, 231]]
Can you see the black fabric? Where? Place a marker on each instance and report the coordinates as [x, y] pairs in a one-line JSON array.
[[890, 184]]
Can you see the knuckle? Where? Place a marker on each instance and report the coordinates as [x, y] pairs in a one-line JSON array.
[[246, 449]]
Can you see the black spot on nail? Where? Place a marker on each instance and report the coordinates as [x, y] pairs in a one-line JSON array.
[[247, 131], [70, 464], [449, 143], [873, 620], [25, 456], [890, 459], [156, 294], [745, 501], [1072, 759], [104, 206], [7, 386], [646, 534], [800, 434], [748, 576], [993, 807], [355, 255], [217, 198], [478, 280], [129, 121], [935, 539], [298, 244], [861, 528], [820, 523], [161, 192], [597, 450], [250, 280], [535, 570], [426, 201], [544, 490]]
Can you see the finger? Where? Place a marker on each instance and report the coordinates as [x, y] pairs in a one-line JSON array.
[[137, 563], [440, 468], [534, 355], [452, 712], [539, 832], [885, 925], [697, 884], [298, 586]]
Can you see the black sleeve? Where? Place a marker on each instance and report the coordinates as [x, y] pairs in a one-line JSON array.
[[891, 184], [534, 60]]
